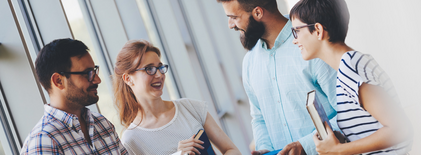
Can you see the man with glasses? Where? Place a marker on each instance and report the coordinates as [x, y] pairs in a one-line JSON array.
[[66, 70], [276, 78]]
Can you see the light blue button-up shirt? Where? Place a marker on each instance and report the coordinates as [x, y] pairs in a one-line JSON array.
[[277, 81]]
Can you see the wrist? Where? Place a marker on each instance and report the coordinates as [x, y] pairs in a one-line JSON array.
[[340, 149], [303, 152]]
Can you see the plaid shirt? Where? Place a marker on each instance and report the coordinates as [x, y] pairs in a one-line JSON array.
[[59, 132]]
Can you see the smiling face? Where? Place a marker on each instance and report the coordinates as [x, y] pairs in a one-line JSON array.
[[306, 41], [145, 85], [240, 20], [79, 91]]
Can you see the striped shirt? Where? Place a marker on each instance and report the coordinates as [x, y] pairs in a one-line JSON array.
[[189, 117], [59, 132], [355, 69]]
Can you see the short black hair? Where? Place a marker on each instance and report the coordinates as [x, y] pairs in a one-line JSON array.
[[249, 5], [332, 14], [55, 58]]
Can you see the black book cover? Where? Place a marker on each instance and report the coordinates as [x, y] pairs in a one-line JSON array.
[[208, 150]]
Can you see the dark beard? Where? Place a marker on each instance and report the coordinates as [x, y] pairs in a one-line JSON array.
[[78, 96], [253, 33]]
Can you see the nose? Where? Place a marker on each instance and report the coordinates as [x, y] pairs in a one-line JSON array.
[[97, 79], [231, 23], [158, 74]]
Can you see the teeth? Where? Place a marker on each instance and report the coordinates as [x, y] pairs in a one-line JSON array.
[[156, 84]]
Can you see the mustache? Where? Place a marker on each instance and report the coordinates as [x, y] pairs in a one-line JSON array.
[[95, 86], [238, 29]]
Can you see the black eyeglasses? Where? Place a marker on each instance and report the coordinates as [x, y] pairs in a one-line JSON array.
[[151, 70], [91, 74], [294, 32]]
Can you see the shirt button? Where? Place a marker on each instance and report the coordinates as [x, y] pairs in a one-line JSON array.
[[271, 55], [285, 125], [279, 101], [273, 78]]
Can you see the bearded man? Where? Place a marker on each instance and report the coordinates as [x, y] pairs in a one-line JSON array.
[[277, 79], [66, 70]]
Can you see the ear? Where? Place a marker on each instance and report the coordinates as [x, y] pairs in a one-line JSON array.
[[320, 32], [257, 13], [57, 80], [126, 78]]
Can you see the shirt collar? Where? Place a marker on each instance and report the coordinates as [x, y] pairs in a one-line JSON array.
[[69, 119], [282, 37]]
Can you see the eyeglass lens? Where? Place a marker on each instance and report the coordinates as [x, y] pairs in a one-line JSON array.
[[92, 74], [152, 70], [294, 33]]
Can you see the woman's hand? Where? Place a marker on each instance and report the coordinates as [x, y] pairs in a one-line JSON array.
[[189, 146], [330, 145]]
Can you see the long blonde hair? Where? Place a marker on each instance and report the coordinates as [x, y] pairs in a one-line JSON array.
[[128, 59]]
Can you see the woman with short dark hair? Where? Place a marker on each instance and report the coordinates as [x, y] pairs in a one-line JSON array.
[[368, 109]]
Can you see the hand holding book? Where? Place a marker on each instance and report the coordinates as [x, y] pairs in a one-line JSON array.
[[339, 136], [207, 146], [190, 146], [333, 140], [320, 119]]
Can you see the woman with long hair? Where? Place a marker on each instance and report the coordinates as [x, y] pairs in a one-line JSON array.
[[155, 126], [368, 109]]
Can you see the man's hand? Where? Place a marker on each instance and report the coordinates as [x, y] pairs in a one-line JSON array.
[[259, 152], [293, 148]]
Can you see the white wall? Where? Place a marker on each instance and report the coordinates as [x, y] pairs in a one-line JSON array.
[[390, 31]]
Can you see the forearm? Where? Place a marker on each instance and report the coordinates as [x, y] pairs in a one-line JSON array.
[[307, 141], [308, 144], [396, 127], [219, 138], [383, 138], [261, 135], [260, 131], [232, 151]]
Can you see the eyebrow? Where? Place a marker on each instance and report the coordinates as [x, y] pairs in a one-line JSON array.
[[151, 64], [89, 69], [231, 16]]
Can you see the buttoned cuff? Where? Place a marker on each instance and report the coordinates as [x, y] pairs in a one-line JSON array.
[[265, 147], [308, 144]]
